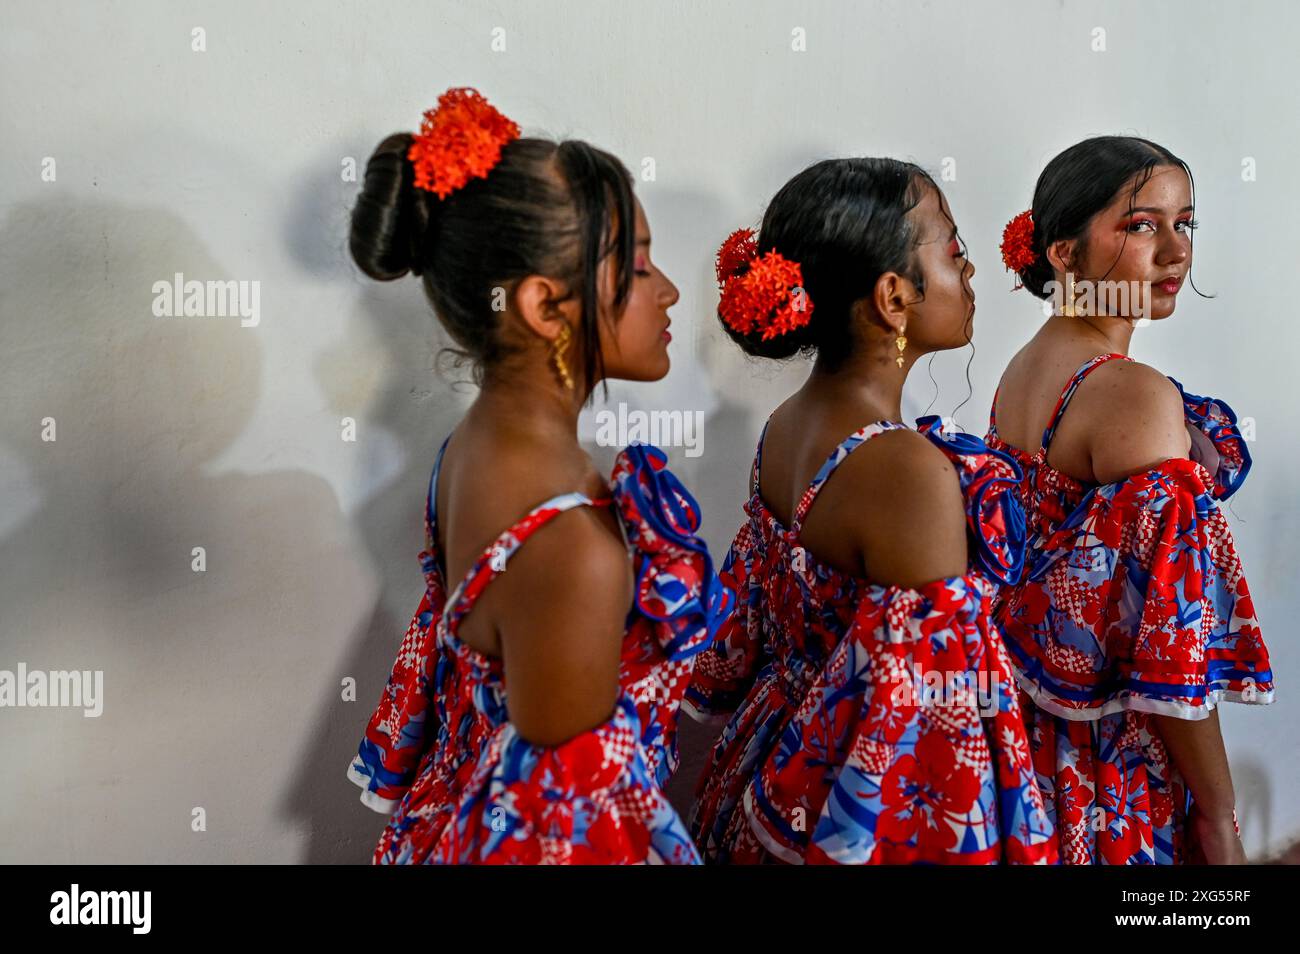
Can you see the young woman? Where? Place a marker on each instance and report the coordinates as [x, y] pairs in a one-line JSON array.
[[875, 717], [1134, 620], [536, 258]]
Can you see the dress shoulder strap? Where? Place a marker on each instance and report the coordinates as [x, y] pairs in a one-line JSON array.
[[758, 459], [1071, 386], [431, 499], [837, 456], [492, 562]]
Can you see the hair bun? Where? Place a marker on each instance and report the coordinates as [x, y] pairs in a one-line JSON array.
[[390, 219]]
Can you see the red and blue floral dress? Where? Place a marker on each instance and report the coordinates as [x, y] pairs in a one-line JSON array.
[[1133, 604], [441, 755], [869, 724]]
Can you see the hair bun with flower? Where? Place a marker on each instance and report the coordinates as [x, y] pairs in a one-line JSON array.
[[762, 293], [1018, 244], [459, 140]]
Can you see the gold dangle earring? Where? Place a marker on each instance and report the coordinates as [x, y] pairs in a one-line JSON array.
[[900, 343], [558, 347], [1067, 310]]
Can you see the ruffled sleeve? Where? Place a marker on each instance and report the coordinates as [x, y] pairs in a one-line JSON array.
[[917, 712], [1139, 601], [676, 586], [590, 800], [989, 484], [680, 602], [724, 673], [404, 723], [1229, 459]]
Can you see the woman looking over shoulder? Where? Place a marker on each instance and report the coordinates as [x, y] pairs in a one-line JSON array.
[[1134, 620]]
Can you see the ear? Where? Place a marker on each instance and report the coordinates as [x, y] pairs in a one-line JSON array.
[[1061, 255], [542, 303], [893, 295]]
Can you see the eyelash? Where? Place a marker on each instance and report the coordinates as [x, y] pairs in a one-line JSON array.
[[1190, 223]]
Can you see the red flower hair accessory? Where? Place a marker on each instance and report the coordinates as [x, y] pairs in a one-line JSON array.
[[459, 140], [1018, 243], [761, 293], [736, 252]]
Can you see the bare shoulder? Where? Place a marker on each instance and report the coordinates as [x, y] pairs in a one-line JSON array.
[[560, 614], [1117, 385], [908, 517], [524, 473], [489, 484], [1130, 417]]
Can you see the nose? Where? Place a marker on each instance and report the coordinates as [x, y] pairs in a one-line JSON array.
[[669, 294], [1174, 249]]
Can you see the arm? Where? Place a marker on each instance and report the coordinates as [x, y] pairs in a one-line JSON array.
[[1144, 426], [1197, 749], [561, 627]]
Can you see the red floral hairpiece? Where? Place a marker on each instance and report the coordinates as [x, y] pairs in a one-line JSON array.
[[761, 293], [736, 252], [459, 140], [1018, 243]]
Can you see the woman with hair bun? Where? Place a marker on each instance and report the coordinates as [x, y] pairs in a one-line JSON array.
[[1133, 620], [535, 256], [870, 711]]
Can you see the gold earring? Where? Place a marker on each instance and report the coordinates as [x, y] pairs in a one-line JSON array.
[[900, 343], [558, 347], [1067, 310]]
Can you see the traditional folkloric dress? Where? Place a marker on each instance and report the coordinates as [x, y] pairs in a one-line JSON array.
[[1133, 603], [872, 724], [441, 755]]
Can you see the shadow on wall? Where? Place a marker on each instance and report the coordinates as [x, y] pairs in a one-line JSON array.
[[417, 403], [98, 536], [420, 411], [213, 679]]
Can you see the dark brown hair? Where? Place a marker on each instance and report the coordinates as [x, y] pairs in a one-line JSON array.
[[546, 208]]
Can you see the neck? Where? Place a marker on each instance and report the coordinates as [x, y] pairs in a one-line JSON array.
[[871, 380], [1115, 332], [530, 404]]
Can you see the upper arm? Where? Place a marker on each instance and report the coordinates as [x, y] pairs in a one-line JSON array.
[[1137, 421], [911, 527], [561, 627]]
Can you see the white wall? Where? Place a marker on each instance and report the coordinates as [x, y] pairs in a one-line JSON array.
[[222, 688]]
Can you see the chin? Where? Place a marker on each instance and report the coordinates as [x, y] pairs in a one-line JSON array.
[[646, 371], [659, 365], [659, 371]]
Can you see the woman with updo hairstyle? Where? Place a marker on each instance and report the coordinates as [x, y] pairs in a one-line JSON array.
[[868, 707], [535, 256], [1133, 621]]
